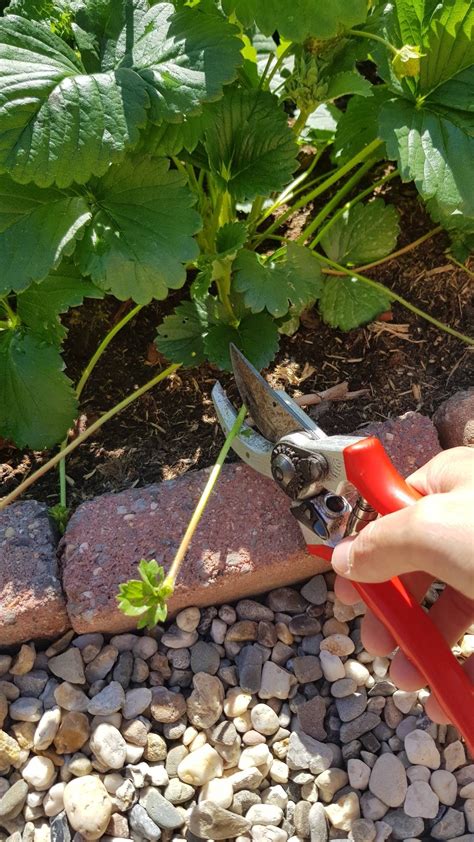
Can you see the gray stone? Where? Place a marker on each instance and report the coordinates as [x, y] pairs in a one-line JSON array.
[[174, 758], [209, 821], [123, 669], [163, 813], [250, 609], [33, 683], [318, 826], [178, 792], [301, 819], [59, 828], [250, 663], [451, 825], [204, 658], [11, 804], [350, 707], [357, 727], [362, 830], [102, 664], [306, 753], [307, 668], [141, 824], [243, 800], [311, 716], [69, 666], [109, 700], [286, 600], [26, 709], [315, 591], [403, 826]]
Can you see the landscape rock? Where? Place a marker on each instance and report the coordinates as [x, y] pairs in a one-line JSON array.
[[88, 806], [454, 420], [32, 603], [209, 821]]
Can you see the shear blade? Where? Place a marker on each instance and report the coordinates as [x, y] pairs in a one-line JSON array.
[[249, 445], [274, 413]]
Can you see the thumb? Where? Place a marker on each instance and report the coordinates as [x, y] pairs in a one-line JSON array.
[[389, 546]]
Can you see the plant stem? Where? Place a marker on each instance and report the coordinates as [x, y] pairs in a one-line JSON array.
[[296, 187], [461, 265], [277, 65], [334, 202], [270, 58], [373, 37], [327, 183], [51, 463], [397, 253], [394, 297], [349, 205], [102, 347], [204, 498], [300, 121]]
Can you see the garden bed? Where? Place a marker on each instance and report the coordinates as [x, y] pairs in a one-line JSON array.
[[405, 364]]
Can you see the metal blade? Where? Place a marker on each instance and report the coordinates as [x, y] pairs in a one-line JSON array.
[[274, 413], [249, 445]]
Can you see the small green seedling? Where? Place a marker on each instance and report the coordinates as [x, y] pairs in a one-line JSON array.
[[146, 598]]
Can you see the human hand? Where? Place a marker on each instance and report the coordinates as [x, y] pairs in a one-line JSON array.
[[432, 540]]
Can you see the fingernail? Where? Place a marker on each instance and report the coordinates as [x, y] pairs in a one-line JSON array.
[[341, 558]]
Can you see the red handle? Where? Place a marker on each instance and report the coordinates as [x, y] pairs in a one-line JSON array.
[[370, 470]]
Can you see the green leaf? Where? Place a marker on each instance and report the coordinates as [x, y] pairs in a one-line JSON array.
[[199, 288], [433, 147], [252, 151], [146, 598], [256, 337], [37, 402], [37, 228], [180, 335], [459, 226], [346, 303], [140, 236], [184, 58], [447, 44], [169, 139], [58, 14], [58, 124], [322, 123], [276, 286], [230, 238], [348, 82], [362, 234], [299, 19], [359, 125], [39, 306]]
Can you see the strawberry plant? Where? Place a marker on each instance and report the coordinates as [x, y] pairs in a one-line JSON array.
[[145, 146]]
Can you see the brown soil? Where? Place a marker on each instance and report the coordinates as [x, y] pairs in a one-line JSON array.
[[406, 364]]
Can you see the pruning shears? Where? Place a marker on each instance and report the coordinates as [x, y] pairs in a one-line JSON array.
[[337, 485]]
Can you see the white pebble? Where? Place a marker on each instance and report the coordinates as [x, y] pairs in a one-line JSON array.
[[190, 733], [54, 801], [39, 772], [254, 756], [199, 741], [218, 630], [264, 719], [219, 791], [421, 802], [236, 702], [469, 814], [264, 814], [275, 795], [188, 619], [268, 833], [332, 666], [338, 644], [355, 670], [418, 773], [380, 666], [47, 728], [467, 791], [454, 756], [404, 701], [444, 784], [421, 749], [279, 772], [359, 773], [200, 766]]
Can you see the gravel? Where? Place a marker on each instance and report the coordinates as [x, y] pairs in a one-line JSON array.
[[265, 721]]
